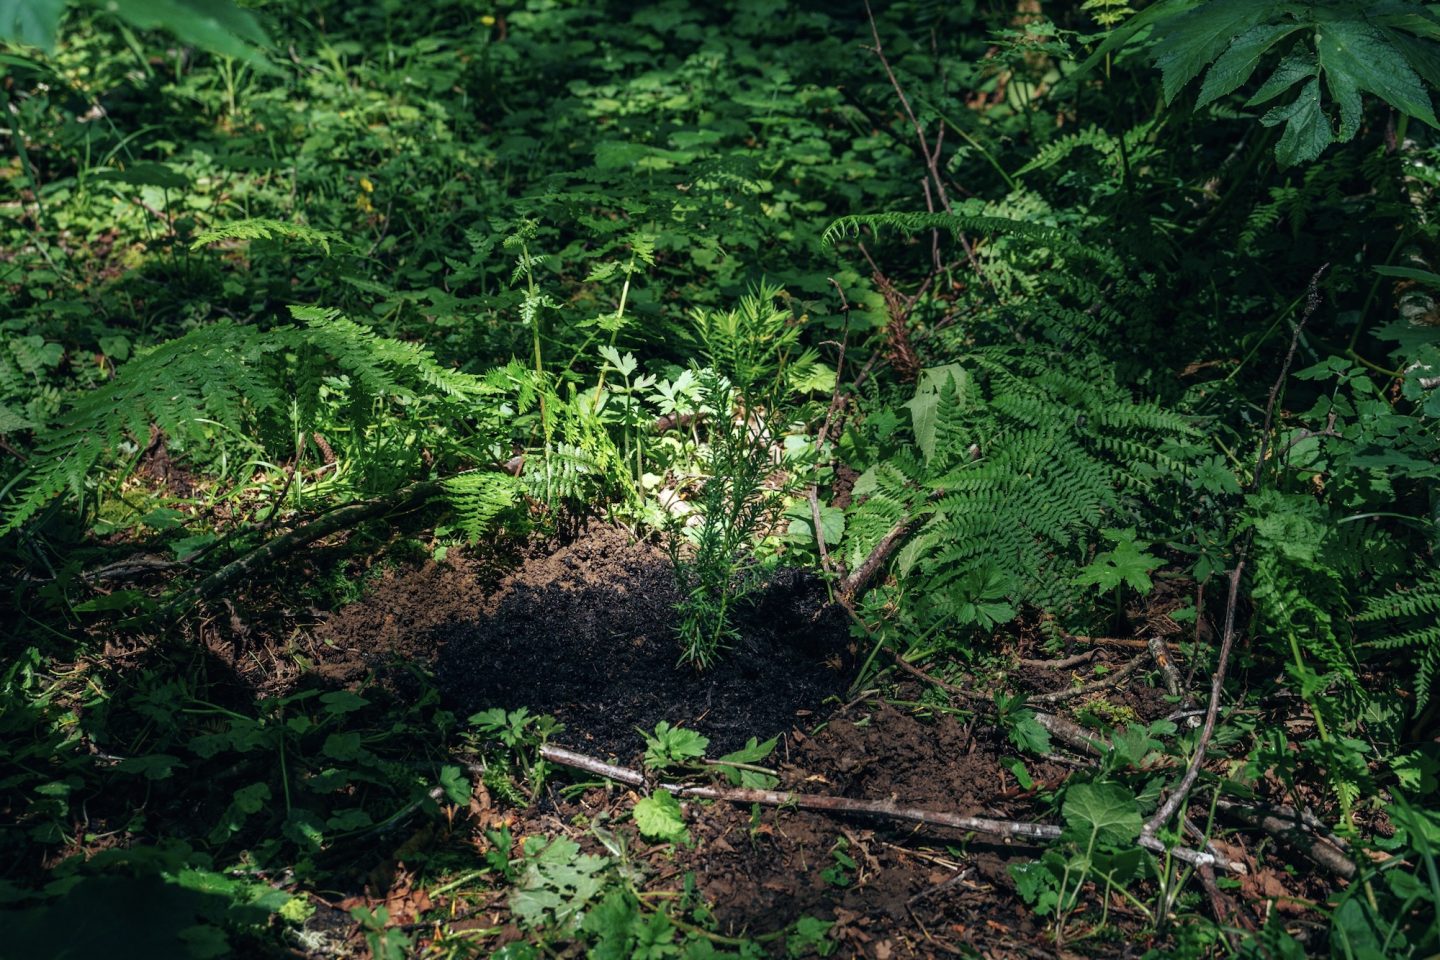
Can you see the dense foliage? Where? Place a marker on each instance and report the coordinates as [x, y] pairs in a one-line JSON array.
[[1067, 314]]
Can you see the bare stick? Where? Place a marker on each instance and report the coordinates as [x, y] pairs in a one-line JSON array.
[[919, 674], [887, 809], [1133, 644], [1232, 597], [824, 434], [855, 584], [326, 524], [1160, 653], [1063, 664], [1072, 734], [1289, 826], [1102, 684]]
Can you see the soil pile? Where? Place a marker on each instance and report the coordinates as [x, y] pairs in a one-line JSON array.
[[586, 633]]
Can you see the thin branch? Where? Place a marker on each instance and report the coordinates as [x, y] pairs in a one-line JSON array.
[[1104, 683], [824, 434], [845, 806], [1160, 653], [855, 584], [1063, 664], [326, 524], [1182, 790]]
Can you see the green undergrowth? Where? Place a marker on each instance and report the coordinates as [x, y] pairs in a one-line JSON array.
[[1017, 323]]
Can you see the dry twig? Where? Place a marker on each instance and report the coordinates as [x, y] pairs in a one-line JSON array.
[[842, 806], [1182, 790]]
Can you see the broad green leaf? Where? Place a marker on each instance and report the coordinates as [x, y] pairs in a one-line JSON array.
[[753, 752], [31, 22], [342, 746], [1410, 273], [1422, 55], [1106, 812], [1127, 31], [925, 405], [1289, 72], [456, 784], [1238, 62], [1355, 56], [338, 702], [1127, 563], [1186, 43], [1307, 129], [155, 766], [215, 25], [659, 818], [671, 745]]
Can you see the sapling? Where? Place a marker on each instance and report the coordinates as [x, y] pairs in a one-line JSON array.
[[715, 562]]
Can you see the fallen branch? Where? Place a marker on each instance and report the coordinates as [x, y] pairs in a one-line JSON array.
[[1304, 833], [1062, 664], [844, 806], [1160, 653], [324, 525], [1066, 731], [1182, 790], [1104, 683], [855, 584], [1072, 734]]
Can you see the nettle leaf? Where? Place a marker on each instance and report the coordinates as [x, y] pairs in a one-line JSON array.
[[753, 752], [1307, 131], [672, 745], [1238, 62], [154, 766], [339, 702], [456, 784], [1194, 38], [1106, 813], [659, 818], [1128, 563], [1289, 72], [1355, 56]]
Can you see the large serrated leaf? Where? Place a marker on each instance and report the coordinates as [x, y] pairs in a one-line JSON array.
[[1188, 42], [1307, 129], [218, 26], [1238, 62], [1355, 56], [1291, 71], [1106, 812]]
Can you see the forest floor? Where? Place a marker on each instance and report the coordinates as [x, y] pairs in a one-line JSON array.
[[582, 630]]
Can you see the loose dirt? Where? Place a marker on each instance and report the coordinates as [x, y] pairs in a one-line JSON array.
[[586, 633]]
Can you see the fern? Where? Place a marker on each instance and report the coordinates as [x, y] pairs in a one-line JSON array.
[[262, 228], [225, 380], [1418, 611], [479, 498], [1017, 465], [1055, 239]]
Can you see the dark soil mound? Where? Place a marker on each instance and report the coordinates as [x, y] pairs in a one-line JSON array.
[[586, 633]]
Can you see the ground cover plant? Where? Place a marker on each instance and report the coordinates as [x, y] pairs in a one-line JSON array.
[[720, 480]]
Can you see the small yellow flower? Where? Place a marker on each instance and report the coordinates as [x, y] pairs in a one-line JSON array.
[[366, 185], [488, 20]]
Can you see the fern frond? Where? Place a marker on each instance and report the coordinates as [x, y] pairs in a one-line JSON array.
[[263, 228], [479, 497]]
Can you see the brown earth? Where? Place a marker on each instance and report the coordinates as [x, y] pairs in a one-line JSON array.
[[584, 631]]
